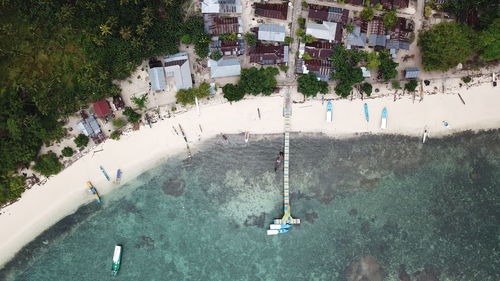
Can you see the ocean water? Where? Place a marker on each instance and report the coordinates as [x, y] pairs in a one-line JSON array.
[[372, 208]]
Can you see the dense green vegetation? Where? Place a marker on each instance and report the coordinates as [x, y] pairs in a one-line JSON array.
[[186, 96], [390, 19], [346, 70], [48, 164], [445, 45], [253, 81], [67, 151], [57, 56], [411, 86], [81, 140], [131, 115], [387, 67], [310, 86], [366, 88]]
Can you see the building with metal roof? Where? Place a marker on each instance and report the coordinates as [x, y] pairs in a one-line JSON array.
[[157, 77], [268, 55], [356, 38], [102, 108], [177, 66], [274, 11], [377, 40], [224, 67], [271, 32], [89, 126], [221, 6], [216, 24], [412, 72], [326, 30]]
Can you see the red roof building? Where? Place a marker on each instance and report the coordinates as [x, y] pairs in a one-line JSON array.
[[274, 11], [102, 108]]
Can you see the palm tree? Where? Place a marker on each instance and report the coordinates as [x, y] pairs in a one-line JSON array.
[[126, 33], [105, 30]]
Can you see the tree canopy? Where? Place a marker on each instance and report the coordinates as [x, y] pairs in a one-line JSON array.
[[366, 88], [186, 96], [411, 85], [310, 86], [489, 40], [132, 116], [67, 151], [233, 92], [390, 19], [81, 140], [258, 80], [387, 67], [345, 69], [445, 45], [48, 164]]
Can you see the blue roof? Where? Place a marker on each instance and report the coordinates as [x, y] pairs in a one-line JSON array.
[[356, 38], [377, 40], [411, 72], [157, 77]]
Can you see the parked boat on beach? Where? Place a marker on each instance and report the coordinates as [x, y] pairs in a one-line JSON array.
[[424, 137], [384, 119], [117, 259], [329, 108], [104, 173], [247, 136], [94, 192], [367, 116], [118, 176]]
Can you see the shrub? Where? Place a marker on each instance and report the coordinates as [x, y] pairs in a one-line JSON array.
[[186, 39], [48, 164], [288, 40], [251, 39], [390, 19], [366, 88], [411, 86], [349, 28], [216, 55], [187, 96], [132, 116], [301, 21], [119, 123], [304, 4], [367, 13], [140, 102], [116, 135], [372, 60], [81, 140], [395, 85], [378, 7], [466, 79], [306, 56], [300, 32], [233, 92], [283, 67], [67, 151]]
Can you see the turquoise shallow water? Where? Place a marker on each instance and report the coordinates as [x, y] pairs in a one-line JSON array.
[[373, 207]]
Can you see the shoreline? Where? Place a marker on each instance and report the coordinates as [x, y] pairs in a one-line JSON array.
[[42, 206]]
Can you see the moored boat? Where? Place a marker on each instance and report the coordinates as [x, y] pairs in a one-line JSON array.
[[247, 136], [94, 192], [117, 259], [329, 107], [384, 119], [276, 231], [424, 138], [280, 226]]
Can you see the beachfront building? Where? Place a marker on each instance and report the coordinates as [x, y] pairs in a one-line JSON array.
[[89, 127], [271, 32], [224, 67], [102, 108], [269, 55], [274, 11], [157, 78], [177, 67], [412, 73], [220, 6]]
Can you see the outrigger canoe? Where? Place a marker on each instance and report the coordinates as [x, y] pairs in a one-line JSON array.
[[329, 108], [104, 173], [94, 192], [118, 176]]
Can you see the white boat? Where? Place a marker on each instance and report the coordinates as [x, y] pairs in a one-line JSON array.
[[329, 112], [384, 119], [279, 226], [247, 136], [117, 259], [276, 231], [426, 134]]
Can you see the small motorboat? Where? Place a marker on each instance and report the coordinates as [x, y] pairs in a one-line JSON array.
[[117, 259], [280, 226], [367, 116], [384, 119], [118, 176], [247, 136], [329, 108], [276, 231]]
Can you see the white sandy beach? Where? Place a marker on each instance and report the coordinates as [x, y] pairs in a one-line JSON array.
[[42, 206]]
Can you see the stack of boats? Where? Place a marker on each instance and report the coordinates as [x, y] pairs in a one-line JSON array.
[[275, 229]]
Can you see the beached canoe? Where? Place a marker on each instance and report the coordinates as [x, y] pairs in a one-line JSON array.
[[94, 192], [104, 173], [367, 116], [329, 108]]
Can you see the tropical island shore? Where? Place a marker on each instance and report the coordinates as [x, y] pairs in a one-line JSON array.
[[42, 206]]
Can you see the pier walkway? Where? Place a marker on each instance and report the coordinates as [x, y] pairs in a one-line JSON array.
[[287, 215]]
